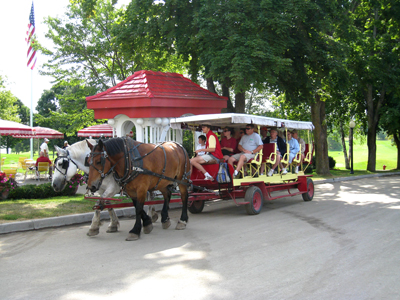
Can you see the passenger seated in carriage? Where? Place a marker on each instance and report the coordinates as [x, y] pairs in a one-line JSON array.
[[294, 148], [264, 133], [213, 152], [238, 137], [281, 149], [249, 145], [301, 143], [228, 143], [201, 145]]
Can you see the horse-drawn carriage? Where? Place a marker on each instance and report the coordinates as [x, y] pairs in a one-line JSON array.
[[142, 168], [250, 188]]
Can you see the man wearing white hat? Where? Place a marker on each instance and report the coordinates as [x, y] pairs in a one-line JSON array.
[[66, 145], [44, 148]]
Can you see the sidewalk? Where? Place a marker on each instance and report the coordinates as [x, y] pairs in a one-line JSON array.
[[121, 212]]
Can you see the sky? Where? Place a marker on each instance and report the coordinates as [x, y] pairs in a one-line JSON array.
[[14, 19]]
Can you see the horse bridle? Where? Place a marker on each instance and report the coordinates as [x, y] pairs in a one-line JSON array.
[[103, 157], [65, 164]]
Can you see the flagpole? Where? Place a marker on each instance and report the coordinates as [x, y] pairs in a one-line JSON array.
[[31, 112]]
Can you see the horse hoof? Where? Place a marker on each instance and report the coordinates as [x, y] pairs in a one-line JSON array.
[[112, 229], [93, 232], [181, 225], [154, 217], [147, 229], [132, 237], [166, 224]]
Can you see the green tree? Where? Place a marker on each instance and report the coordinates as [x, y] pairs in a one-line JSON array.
[[316, 52], [236, 43], [48, 101], [87, 60], [85, 48], [9, 110], [23, 112], [374, 61], [70, 113], [8, 107], [390, 120]]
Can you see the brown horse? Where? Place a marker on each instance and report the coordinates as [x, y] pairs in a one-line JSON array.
[[139, 168]]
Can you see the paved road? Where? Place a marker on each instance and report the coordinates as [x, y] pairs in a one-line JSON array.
[[345, 244]]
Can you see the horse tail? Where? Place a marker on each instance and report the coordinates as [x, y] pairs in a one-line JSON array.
[[186, 172]]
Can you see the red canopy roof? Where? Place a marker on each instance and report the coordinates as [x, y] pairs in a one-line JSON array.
[[149, 94], [96, 130]]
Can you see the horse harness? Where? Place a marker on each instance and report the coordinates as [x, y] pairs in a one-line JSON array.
[[134, 165], [65, 164]]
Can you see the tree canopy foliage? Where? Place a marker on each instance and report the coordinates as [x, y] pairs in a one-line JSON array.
[[326, 61], [8, 107]]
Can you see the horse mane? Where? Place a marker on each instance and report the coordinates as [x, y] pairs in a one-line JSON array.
[[114, 146], [79, 148]]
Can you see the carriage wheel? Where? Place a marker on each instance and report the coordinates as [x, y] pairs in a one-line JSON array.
[[255, 197], [196, 207], [310, 190]]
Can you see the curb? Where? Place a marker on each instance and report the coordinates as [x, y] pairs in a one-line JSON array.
[[339, 179], [127, 212]]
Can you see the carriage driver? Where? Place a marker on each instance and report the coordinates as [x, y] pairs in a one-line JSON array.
[[213, 152], [248, 146]]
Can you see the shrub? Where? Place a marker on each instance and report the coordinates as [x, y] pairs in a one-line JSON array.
[[332, 163], [309, 169], [41, 191]]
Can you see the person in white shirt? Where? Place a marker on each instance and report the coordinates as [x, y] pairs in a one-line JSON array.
[[201, 145], [44, 148], [248, 146]]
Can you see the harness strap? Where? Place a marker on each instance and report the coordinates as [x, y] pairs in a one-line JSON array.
[[165, 164], [66, 169], [147, 172]]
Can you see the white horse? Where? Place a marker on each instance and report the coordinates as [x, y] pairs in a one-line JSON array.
[[69, 161]]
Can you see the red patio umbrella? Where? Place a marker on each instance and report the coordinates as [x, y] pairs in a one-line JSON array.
[[44, 132], [14, 128]]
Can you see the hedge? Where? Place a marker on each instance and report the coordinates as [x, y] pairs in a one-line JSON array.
[[41, 191]]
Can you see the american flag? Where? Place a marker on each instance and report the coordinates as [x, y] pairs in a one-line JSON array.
[[30, 40]]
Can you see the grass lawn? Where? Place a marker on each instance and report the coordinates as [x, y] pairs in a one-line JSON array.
[[386, 154], [12, 159], [21, 210]]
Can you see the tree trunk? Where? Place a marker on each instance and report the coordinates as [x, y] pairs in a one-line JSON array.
[[240, 103], [320, 136], [373, 119], [346, 159], [351, 145], [225, 93], [397, 141], [210, 85]]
